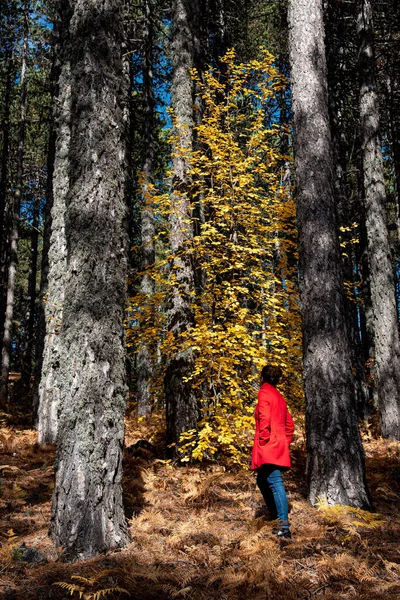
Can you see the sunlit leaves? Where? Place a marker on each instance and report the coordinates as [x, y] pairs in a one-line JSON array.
[[244, 254]]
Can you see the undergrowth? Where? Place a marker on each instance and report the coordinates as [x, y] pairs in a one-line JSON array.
[[196, 533]]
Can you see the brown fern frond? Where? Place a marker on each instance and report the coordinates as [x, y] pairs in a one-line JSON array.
[[71, 588], [88, 580], [182, 592], [105, 592]]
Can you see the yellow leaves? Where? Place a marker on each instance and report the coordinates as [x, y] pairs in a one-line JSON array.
[[245, 309]]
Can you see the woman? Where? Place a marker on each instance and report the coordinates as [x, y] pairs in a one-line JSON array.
[[270, 456]]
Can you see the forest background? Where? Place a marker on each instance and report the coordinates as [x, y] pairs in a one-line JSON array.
[[223, 273]]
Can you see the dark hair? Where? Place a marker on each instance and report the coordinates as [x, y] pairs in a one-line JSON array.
[[271, 375]]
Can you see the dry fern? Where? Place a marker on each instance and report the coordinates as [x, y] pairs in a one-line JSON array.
[[86, 591], [194, 535]]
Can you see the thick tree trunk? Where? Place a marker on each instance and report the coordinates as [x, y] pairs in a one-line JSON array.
[[180, 400], [145, 366], [53, 277], [87, 515], [335, 467], [12, 266], [386, 333]]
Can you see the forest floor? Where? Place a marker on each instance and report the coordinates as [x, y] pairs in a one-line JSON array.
[[196, 533]]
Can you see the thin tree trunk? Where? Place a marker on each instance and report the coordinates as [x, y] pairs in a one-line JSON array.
[[12, 266], [394, 137], [386, 333], [344, 221], [366, 315], [181, 405], [5, 126], [335, 463], [87, 512], [145, 365], [47, 228], [31, 310], [54, 275], [395, 127]]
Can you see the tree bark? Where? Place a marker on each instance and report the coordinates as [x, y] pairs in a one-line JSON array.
[[386, 333], [47, 227], [335, 35], [366, 316], [145, 366], [12, 266], [87, 513], [181, 405], [335, 463], [53, 295], [394, 137], [5, 126], [31, 308]]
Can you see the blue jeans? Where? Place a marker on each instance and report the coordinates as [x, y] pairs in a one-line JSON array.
[[269, 480]]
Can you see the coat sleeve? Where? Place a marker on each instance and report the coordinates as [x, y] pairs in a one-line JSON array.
[[289, 426], [264, 418]]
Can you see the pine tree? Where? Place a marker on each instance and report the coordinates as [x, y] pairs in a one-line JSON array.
[[88, 516], [56, 254], [144, 359], [386, 333], [180, 400], [14, 231], [335, 466], [5, 126]]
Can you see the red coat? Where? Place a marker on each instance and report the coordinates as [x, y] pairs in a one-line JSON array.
[[274, 429]]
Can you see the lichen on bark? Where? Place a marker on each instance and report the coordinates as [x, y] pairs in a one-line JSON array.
[[87, 514]]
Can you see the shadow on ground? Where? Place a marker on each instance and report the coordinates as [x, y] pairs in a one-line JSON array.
[[195, 535]]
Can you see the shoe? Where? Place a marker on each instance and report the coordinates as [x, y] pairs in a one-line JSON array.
[[282, 534]]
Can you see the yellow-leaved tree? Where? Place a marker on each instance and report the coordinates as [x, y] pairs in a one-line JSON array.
[[244, 254]]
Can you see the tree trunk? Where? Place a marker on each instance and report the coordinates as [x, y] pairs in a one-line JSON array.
[[50, 385], [343, 208], [87, 514], [5, 126], [31, 309], [47, 227], [395, 130], [386, 333], [394, 137], [366, 317], [145, 366], [335, 464], [12, 266], [180, 400]]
